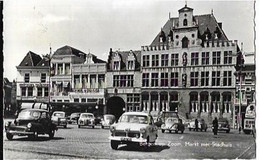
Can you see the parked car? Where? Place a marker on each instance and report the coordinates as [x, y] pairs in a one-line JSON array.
[[31, 122], [202, 126], [98, 119], [171, 122], [133, 128], [74, 117], [107, 120], [223, 125], [86, 119], [59, 118]]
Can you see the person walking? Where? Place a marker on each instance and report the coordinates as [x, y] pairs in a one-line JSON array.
[[196, 125], [215, 126]]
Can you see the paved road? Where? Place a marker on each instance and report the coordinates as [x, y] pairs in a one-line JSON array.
[[75, 143]]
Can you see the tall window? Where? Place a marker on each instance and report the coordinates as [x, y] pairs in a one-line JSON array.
[[216, 57], [30, 91], [123, 81], [204, 78], [146, 61], [101, 81], [60, 68], [205, 58], [215, 78], [67, 68], [164, 60], [39, 91], [227, 57], [155, 60], [43, 77], [23, 89], [154, 79], [227, 79], [185, 42], [130, 65], [195, 58], [174, 79], [26, 77], [185, 22], [46, 91], [116, 81], [194, 77], [130, 80], [164, 79], [174, 59], [116, 65], [145, 80]]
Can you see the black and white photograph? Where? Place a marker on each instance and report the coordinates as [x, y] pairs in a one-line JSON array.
[[129, 79]]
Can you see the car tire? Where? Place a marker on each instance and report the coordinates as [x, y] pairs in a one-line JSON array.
[[163, 130], [170, 131], [114, 144], [227, 131], [189, 129], [78, 126], [51, 134], [93, 127], [205, 130], [182, 132], [176, 131], [65, 126], [102, 127], [9, 136]]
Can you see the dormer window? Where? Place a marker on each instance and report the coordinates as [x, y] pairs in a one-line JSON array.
[[130, 65], [185, 22], [116, 65], [185, 42]]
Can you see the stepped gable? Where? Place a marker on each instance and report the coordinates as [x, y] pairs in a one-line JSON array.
[[31, 59]]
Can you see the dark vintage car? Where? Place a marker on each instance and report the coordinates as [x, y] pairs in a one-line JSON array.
[[171, 122], [74, 117], [31, 122], [223, 125]]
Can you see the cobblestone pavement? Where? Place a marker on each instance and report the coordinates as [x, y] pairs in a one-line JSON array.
[[84, 143]]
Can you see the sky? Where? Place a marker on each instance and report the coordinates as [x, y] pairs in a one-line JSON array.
[[97, 25]]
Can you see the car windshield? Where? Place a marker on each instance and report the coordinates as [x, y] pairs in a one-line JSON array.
[[108, 117], [59, 114], [75, 114], [29, 114], [134, 119], [172, 120], [87, 116]]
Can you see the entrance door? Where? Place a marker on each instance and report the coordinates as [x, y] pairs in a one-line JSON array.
[[115, 106]]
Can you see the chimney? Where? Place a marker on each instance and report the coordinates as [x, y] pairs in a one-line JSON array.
[[220, 25], [110, 50]]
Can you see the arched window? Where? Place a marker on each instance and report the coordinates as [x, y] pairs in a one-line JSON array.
[[185, 22], [185, 42]]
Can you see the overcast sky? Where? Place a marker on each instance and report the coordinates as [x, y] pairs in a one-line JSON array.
[[96, 26]]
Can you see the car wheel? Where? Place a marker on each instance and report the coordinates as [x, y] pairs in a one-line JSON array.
[[189, 129], [176, 131], [227, 131], [78, 126], [65, 126], [206, 130], [93, 126], [102, 127], [170, 131], [182, 132], [201, 129], [163, 130], [31, 137], [9, 136], [51, 134], [114, 144]]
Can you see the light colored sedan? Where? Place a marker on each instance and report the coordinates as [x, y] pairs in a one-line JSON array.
[[86, 119], [133, 128], [107, 120], [202, 126], [59, 118]]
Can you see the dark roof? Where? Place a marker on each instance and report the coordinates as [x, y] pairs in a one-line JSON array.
[[67, 50], [31, 59], [96, 60], [44, 62], [124, 55], [206, 23], [184, 9]]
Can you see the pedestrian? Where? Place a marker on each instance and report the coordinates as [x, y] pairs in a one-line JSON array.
[[196, 125], [215, 126]]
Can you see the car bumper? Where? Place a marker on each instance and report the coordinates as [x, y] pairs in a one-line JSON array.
[[169, 128], [20, 132], [86, 123], [60, 123], [127, 139]]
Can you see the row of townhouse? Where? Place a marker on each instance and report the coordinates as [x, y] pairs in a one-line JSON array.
[[189, 67]]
